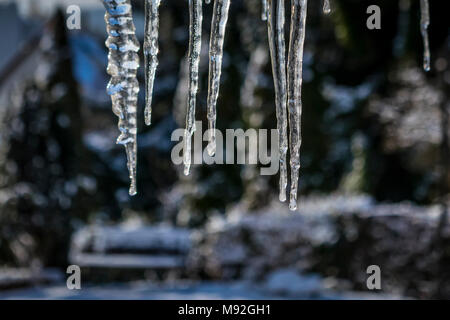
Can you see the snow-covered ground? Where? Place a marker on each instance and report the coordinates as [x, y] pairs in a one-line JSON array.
[[180, 291]]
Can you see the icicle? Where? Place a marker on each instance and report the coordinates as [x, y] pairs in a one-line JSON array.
[[326, 7], [123, 62], [294, 76], [277, 45], [264, 10], [424, 23], [207, 1], [195, 46], [218, 26], [151, 49]]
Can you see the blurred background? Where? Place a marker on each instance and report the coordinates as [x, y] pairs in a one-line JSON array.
[[375, 161]]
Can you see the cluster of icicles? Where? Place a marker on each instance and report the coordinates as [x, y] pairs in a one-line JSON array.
[[123, 62]]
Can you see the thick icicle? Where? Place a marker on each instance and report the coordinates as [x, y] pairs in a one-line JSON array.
[[123, 62], [264, 10], [151, 49], [294, 76], [277, 44], [424, 24], [218, 26], [195, 46], [207, 1], [326, 6]]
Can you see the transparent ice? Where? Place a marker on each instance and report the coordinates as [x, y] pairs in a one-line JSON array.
[[151, 50], [218, 26], [277, 44], [195, 45], [123, 87], [123, 62], [294, 88]]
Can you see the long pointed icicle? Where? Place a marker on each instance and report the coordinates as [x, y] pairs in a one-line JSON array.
[[326, 7], [424, 24], [151, 50], [218, 26], [277, 44], [123, 62], [294, 75], [195, 46]]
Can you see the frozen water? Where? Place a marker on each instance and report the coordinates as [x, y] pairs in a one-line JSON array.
[[123, 87]]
